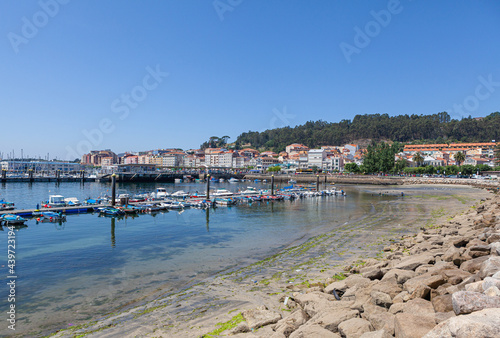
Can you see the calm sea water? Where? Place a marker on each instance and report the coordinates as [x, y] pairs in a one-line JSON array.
[[90, 265]]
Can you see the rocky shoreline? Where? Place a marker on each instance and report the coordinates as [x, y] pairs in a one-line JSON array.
[[442, 282]]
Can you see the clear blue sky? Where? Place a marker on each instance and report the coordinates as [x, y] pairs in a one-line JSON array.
[[67, 69]]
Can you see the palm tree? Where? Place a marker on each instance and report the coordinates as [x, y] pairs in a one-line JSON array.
[[459, 157], [418, 159]]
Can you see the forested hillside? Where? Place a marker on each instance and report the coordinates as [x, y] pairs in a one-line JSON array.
[[403, 128]]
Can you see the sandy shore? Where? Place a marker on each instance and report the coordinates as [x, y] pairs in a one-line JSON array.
[[198, 308]]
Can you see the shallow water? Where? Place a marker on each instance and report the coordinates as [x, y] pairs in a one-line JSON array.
[[88, 266]]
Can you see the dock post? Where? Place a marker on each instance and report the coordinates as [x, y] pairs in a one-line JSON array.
[[272, 185], [317, 183], [83, 175], [4, 175], [113, 189], [31, 175], [58, 173], [208, 187]]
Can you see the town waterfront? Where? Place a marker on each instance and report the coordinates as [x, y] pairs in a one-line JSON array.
[[89, 266]]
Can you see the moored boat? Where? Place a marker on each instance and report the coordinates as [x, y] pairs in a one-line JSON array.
[[10, 219]]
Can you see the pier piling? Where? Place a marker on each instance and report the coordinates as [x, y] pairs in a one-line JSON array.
[[272, 185], [317, 182], [208, 187], [113, 189], [4, 175]]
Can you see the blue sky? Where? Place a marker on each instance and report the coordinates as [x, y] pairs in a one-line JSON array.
[[130, 75]]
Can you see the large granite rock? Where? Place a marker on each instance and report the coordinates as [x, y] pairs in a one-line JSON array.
[[489, 267], [354, 327], [484, 323], [467, 301], [398, 276], [413, 262], [442, 303], [408, 325], [313, 330], [261, 316], [292, 322], [330, 320]]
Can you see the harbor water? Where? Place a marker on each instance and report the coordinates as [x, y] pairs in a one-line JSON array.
[[89, 266]]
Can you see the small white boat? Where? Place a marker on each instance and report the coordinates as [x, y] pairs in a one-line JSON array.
[[233, 180], [178, 180], [292, 181], [250, 191], [222, 193], [180, 194], [56, 201], [221, 180], [161, 193], [72, 201]]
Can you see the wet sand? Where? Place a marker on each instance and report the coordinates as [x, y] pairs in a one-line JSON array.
[[196, 309]]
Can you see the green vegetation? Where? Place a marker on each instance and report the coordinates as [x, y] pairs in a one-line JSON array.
[[435, 128], [233, 322]]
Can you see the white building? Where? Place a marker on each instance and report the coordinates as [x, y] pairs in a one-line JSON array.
[[315, 157], [39, 166]]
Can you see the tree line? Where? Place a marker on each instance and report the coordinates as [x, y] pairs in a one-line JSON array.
[[436, 128]]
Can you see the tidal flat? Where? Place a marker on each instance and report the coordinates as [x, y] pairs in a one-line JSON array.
[[203, 306]]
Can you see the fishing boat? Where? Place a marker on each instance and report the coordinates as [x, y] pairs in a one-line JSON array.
[[129, 209], [10, 219], [110, 211], [4, 205], [55, 201], [50, 216], [161, 193], [225, 201]]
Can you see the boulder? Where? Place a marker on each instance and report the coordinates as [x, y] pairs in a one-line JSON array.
[[401, 297], [442, 316], [492, 291], [408, 325], [413, 262], [473, 265], [261, 316], [379, 318], [421, 307], [489, 282], [398, 276], [475, 287], [354, 327], [391, 289], [495, 237], [376, 334], [381, 299], [489, 267], [442, 303], [397, 308], [431, 281], [372, 273], [313, 330], [330, 320], [292, 322], [241, 328], [467, 301], [422, 291], [484, 323], [448, 254], [454, 276]]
